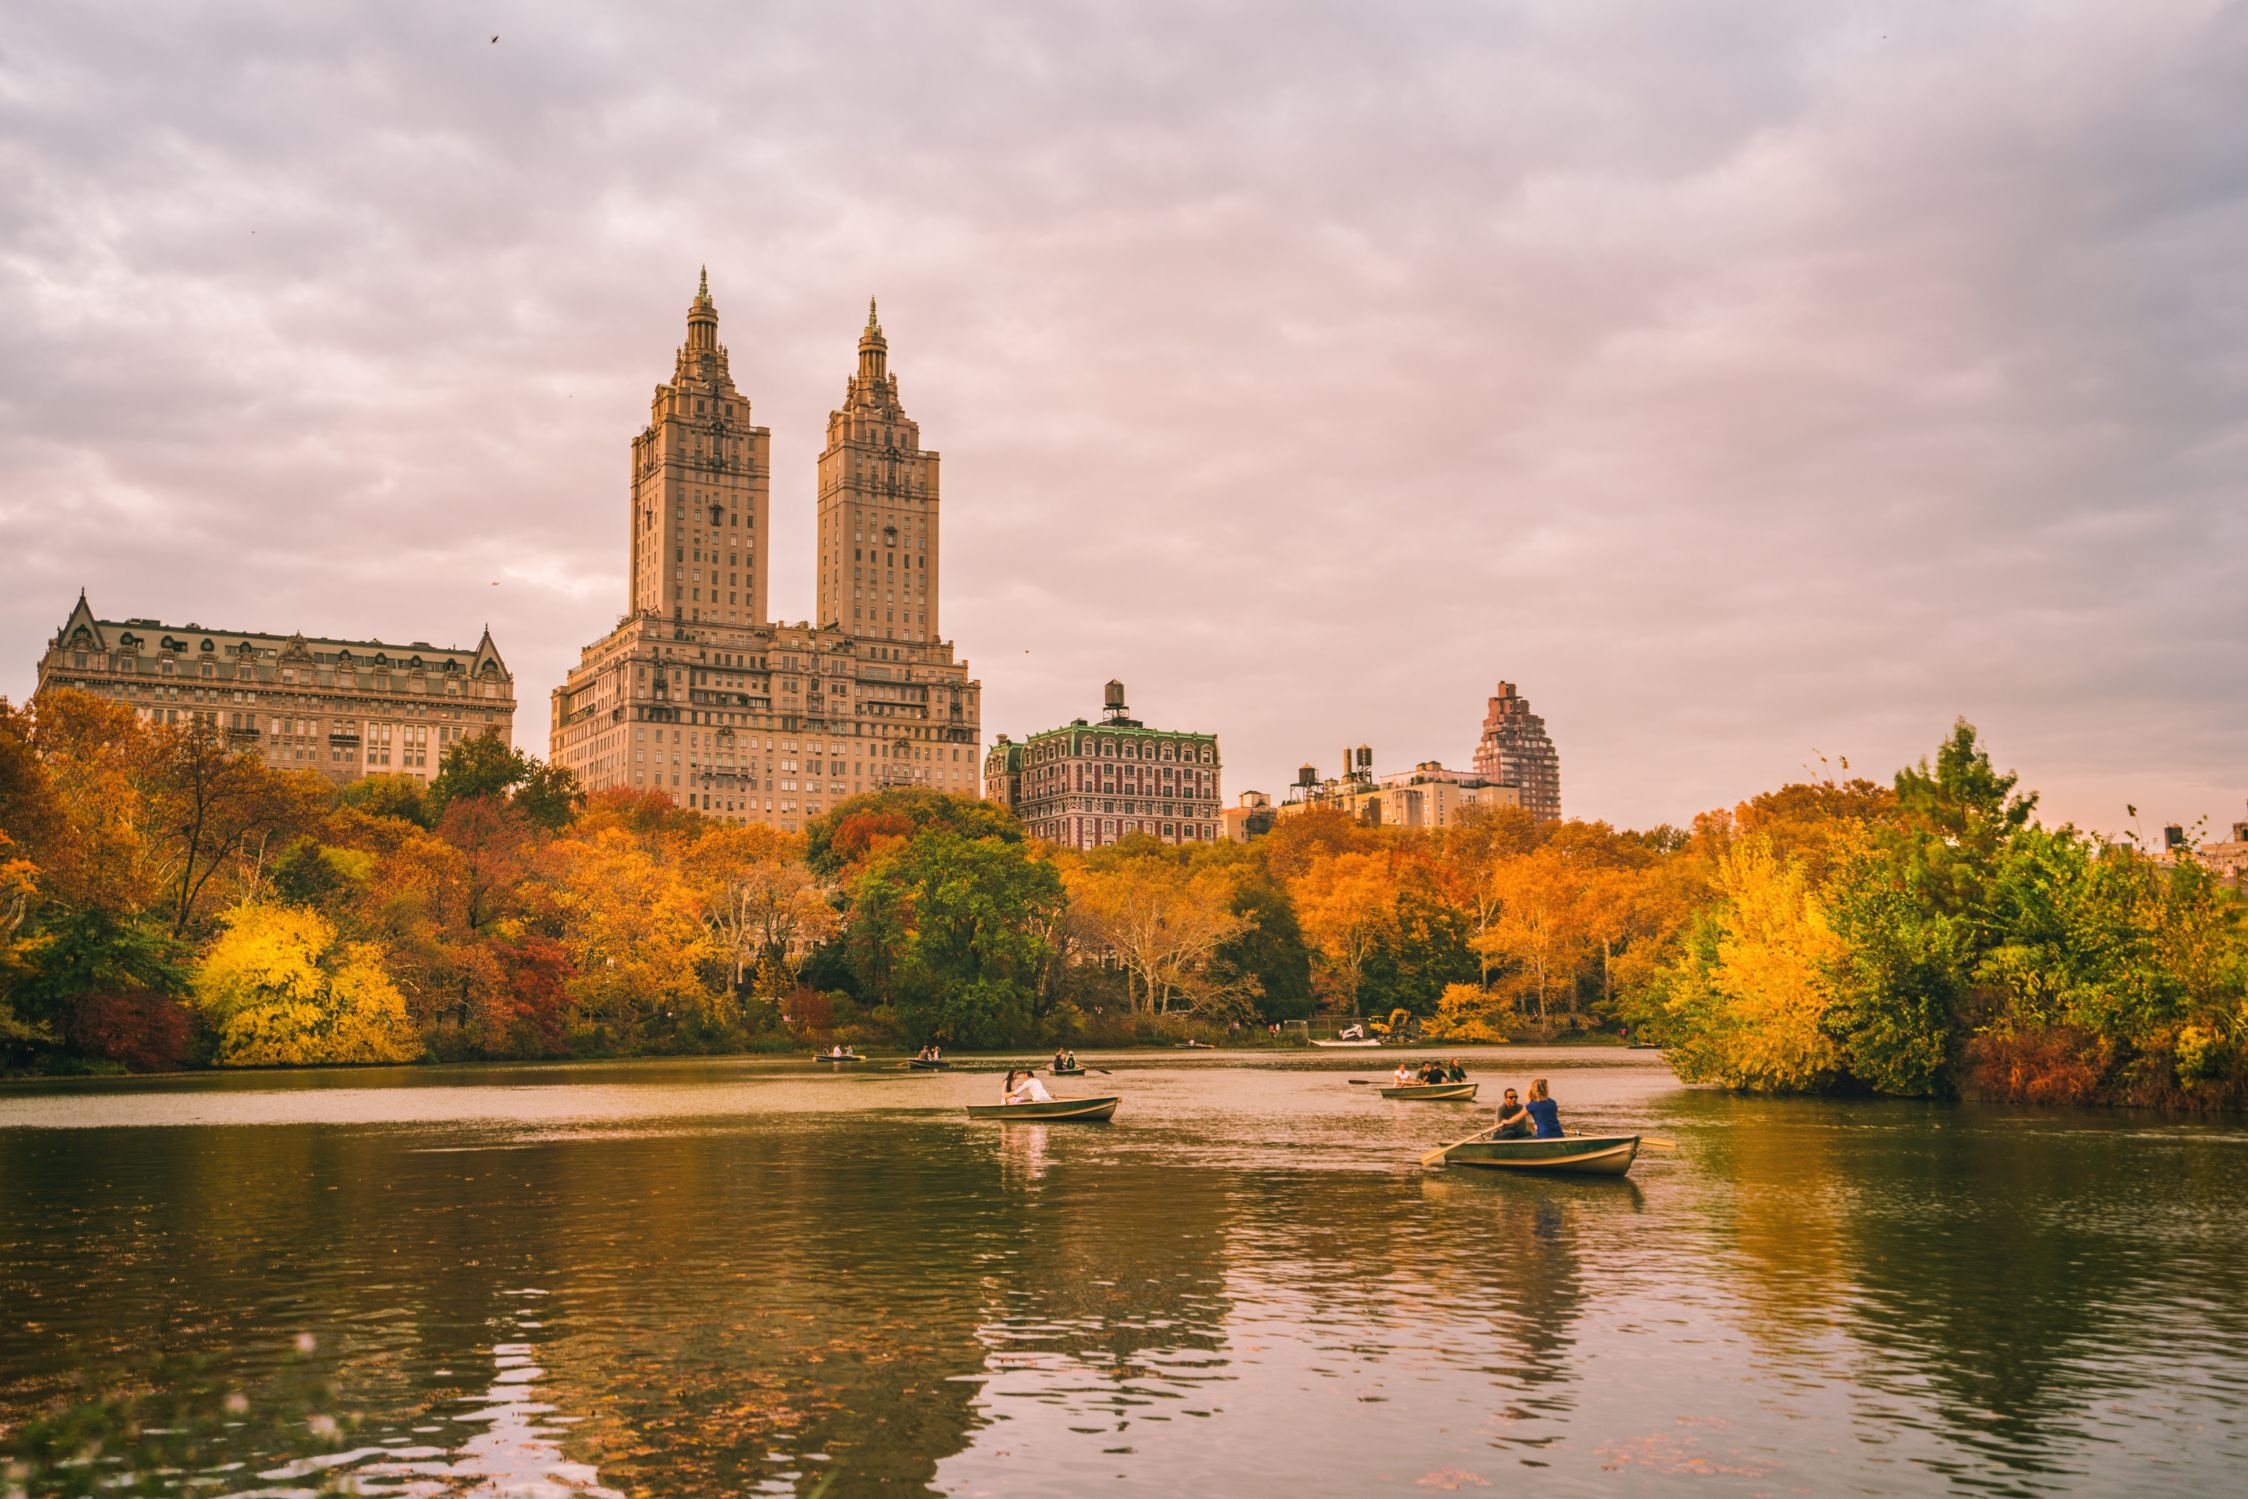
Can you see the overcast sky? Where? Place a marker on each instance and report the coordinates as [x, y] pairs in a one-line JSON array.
[[1748, 382]]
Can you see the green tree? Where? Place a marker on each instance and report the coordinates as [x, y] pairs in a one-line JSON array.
[[487, 767], [1271, 951], [955, 926], [847, 835]]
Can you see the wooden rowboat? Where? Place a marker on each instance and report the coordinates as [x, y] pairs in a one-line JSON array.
[[821, 1056], [1589, 1155], [1433, 1092], [1063, 1071], [926, 1064], [1090, 1110]]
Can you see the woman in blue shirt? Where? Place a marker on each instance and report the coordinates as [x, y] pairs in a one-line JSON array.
[[1543, 1111]]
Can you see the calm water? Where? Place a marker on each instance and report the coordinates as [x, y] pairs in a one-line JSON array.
[[667, 1278]]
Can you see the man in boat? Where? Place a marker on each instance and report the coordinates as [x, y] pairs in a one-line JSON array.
[[835, 1051], [1069, 1058], [1432, 1072], [1029, 1090], [1061, 1060], [1403, 1076], [1544, 1113], [1514, 1120]]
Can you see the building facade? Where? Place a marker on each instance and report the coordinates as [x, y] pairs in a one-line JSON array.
[[1427, 796], [696, 693], [1252, 813], [1089, 784], [1515, 751], [345, 708]]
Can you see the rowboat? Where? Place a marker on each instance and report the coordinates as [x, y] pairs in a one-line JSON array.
[[1433, 1092], [1590, 1155], [1090, 1110], [928, 1064], [1368, 1042], [821, 1056], [1063, 1071]]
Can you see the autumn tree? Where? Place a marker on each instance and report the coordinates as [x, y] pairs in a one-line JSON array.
[[281, 990], [759, 898], [1754, 989], [1163, 917], [1347, 904]]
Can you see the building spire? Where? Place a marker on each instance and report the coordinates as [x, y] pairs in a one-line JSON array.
[[873, 348], [702, 318]]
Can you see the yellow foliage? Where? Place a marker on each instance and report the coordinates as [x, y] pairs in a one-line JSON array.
[[1470, 1012], [284, 992], [1756, 1008]]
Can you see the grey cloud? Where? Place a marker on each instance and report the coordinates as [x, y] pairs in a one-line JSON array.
[[1739, 378]]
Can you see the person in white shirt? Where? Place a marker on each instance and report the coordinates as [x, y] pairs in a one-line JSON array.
[[1029, 1090], [1403, 1077]]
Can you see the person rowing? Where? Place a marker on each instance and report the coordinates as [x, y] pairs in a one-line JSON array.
[[837, 1052], [1029, 1090], [1544, 1113], [1403, 1076], [1514, 1120], [1061, 1060]]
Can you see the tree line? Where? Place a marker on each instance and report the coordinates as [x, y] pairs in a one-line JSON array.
[[167, 902]]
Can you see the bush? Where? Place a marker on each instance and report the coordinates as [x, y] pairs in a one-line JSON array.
[[143, 1030], [2058, 1064]]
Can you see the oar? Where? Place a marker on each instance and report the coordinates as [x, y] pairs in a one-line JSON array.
[[1441, 1151], [1658, 1142]]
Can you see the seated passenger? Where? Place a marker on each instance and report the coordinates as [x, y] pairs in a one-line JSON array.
[[1514, 1120], [1029, 1090], [1544, 1113], [1455, 1073]]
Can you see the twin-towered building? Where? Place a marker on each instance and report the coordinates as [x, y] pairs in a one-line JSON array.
[[696, 693], [699, 696]]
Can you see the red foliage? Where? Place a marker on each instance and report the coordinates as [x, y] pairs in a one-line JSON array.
[[521, 1014], [809, 1009], [147, 1032], [2060, 1065], [863, 833]]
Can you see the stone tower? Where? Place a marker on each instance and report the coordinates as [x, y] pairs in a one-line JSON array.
[[1515, 751], [701, 477], [879, 538]]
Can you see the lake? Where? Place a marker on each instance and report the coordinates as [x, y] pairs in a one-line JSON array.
[[757, 1276]]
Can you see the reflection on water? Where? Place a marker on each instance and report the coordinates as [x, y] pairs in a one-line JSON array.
[[688, 1278]]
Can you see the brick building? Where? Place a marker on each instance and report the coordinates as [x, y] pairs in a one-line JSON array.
[[1089, 784], [696, 693], [345, 708], [1515, 751]]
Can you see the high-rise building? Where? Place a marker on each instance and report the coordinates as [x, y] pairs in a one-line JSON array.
[[1089, 784], [696, 693], [1515, 751], [345, 708], [878, 502]]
